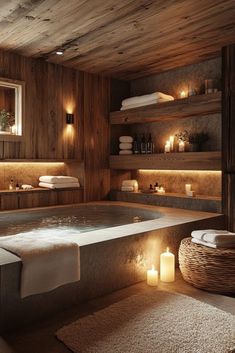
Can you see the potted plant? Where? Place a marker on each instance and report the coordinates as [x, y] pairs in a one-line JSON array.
[[7, 120], [196, 140]]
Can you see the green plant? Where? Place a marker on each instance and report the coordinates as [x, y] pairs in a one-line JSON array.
[[198, 138], [7, 119], [182, 136]]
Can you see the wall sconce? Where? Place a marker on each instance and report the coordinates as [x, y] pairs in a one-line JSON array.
[[69, 118]]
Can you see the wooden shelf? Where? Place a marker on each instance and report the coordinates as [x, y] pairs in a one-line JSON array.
[[178, 109], [39, 160], [168, 161]]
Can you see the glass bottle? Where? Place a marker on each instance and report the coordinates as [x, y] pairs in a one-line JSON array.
[[150, 144], [136, 145], [143, 145]]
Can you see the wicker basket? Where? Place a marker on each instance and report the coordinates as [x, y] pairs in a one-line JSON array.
[[207, 268]]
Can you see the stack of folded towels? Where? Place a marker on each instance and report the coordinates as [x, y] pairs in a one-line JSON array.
[[125, 144], [214, 238], [129, 185], [147, 99], [58, 182]]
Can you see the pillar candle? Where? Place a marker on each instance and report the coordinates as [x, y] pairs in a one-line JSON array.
[[167, 267], [167, 147], [188, 187], [152, 277], [171, 140], [181, 146]]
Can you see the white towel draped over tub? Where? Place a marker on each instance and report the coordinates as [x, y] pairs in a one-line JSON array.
[[49, 260]]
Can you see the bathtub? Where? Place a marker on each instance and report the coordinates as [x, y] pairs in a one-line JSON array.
[[118, 242]]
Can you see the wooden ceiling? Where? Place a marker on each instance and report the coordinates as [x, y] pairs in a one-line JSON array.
[[125, 39]]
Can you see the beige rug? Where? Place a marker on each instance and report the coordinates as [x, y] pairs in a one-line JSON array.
[[154, 322]]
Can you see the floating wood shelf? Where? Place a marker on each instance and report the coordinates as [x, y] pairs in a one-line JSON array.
[[39, 160], [181, 108], [168, 161]]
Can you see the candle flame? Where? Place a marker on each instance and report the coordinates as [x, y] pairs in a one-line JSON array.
[[153, 268], [167, 249]]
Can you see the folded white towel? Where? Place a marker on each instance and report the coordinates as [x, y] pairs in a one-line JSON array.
[[127, 188], [126, 139], [125, 152], [212, 245], [59, 179], [130, 182], [48, 261], [125, 146], [214, 236], [59, 186], [26, 187], [146, 98]]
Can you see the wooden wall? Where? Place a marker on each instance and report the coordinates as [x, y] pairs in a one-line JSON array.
[[51, 91], [228, 128]]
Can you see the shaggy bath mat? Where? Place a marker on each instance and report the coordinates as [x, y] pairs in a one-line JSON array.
[[154, 322]]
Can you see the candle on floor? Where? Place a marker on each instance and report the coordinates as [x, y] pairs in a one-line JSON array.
[[152, 277], [171, 140], [188, 187], [167, 147], [181, 146], [167, 266]]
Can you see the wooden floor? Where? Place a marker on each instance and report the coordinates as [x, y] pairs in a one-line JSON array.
[[40, 338]]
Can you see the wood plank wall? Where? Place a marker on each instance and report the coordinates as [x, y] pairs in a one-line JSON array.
[[50, 91], [228, 131]]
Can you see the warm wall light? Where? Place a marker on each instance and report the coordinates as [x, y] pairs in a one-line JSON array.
[[69, 118]]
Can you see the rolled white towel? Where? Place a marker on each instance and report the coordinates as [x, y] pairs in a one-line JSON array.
[[125, 152], [214, 236], [212, 245], [26, 187], [126, 139], [130, 182], [125, 146], [58, 179], [146, 98], [59, 185], [127, 188]]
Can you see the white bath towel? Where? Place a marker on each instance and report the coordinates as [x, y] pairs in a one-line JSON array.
[[49, 260], [27, 187], [126, 139], [214, 236], [58, 179], [125, 146], [127, 188], [59, 186], [125, 152], [130, 182], [146, 98], [212, 245]]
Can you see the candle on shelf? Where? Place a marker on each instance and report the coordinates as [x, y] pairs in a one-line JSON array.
[[167, 266], [152, 277], [191, 193], [136, 186], [161, 190], [181, 146], [167, 147], [183, 94], [171, 140], [188, 187]]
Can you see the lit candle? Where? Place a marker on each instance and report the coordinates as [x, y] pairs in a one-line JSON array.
[[167, 266], [152, 277], [161, 190], [182, 94], [171, 143], [188, 187], [181, 146], [136, 186], [167, 147]]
